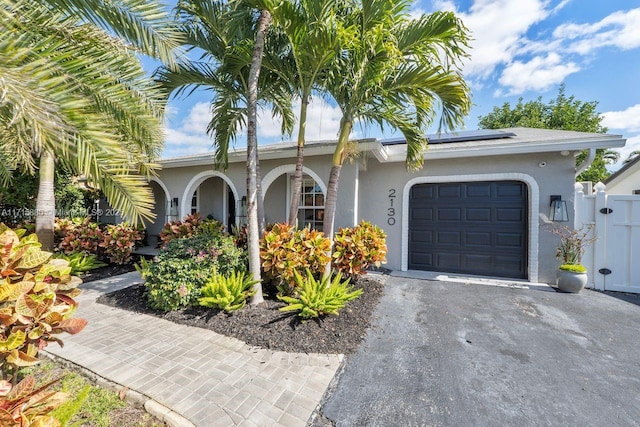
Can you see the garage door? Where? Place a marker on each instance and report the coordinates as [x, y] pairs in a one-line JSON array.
[[469, 227]]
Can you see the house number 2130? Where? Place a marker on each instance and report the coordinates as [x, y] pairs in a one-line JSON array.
[[391, 210]]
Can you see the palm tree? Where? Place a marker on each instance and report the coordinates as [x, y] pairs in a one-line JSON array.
[[396, 71], [72, 91], [632, 156], [310, 30], [223, 34]]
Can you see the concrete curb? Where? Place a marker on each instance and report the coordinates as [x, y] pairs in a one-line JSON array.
[[158, 410]]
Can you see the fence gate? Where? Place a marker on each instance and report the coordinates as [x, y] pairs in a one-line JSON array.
[[616, 222]]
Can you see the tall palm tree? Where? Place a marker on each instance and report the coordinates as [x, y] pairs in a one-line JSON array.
[[310, 29], [230, 42], [396, 71], [72, 91]]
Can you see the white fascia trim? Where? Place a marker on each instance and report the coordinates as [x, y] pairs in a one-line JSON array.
[[185, 205], [516, 148], [534, 211]]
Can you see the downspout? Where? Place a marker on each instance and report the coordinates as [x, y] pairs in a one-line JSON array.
[[587, 162]]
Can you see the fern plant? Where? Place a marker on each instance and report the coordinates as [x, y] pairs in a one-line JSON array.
[[319, 297], [81, 262], [228, 293]]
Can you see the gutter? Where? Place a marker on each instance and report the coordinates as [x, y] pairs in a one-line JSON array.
[[587, 162]]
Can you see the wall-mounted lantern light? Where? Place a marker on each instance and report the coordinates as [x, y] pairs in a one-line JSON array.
[[558, 209]]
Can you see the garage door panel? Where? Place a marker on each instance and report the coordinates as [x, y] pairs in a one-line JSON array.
[[480, 190], [510, 189], [509, 240], [449, 191], [475, 228], [450, 214], [476, 238], [510, 215], [449, 261], [449, 237], [478, 214], [422, 213], [478, 263], [419, 237]]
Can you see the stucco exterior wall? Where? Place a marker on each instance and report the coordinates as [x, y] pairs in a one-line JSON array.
[[627, 183], [182, 181], [367, 188], [382, 185]]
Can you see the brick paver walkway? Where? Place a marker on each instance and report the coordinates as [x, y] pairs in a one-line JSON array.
[[207, 378]]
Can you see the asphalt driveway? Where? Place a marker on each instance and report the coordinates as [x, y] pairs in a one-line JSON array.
[[449, 354]]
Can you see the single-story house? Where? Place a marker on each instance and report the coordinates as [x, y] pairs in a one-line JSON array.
[[626, 180], [479, 206]]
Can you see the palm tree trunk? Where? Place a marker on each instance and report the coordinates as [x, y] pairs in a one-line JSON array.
[[252, 156], [331, 203], [297, 177], [260, 197], [46, 202]]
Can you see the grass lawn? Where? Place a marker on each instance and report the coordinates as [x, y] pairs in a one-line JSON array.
[[89, 405]]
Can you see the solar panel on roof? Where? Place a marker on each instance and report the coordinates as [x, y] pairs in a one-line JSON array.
[[462, 136]]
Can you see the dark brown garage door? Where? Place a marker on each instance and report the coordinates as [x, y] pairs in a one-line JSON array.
[[469, 227]]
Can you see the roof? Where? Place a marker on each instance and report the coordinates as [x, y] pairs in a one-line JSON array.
[[441, 146], [626, 170]]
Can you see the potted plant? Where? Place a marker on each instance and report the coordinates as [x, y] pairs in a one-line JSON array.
[[572, 275]]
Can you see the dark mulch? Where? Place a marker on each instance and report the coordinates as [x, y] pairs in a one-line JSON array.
[[267, 327]]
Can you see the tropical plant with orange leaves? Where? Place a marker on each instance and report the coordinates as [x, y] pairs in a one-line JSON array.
[[36, 300]]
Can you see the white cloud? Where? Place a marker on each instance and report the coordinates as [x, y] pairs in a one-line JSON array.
[[633, 144], [190, 137], [627, 120], [538, 74], [620, 29], [499, 28]]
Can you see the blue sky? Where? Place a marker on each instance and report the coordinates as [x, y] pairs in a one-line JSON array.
[[523, 48]]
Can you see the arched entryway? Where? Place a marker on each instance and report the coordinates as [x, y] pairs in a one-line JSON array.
[[160, 209], [277, 185], [212, 195]]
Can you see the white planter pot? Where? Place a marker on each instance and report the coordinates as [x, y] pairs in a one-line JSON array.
[[570, 282]]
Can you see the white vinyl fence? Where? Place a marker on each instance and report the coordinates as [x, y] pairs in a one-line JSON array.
[[613, 261]]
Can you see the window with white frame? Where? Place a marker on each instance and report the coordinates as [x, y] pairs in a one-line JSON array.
[[311, 208], [194, 201]]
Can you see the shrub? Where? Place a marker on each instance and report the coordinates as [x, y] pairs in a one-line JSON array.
[[36, 300], [285, 250], [319, 297], [183, 267], [356, 249], [79, 236], [80, 263], [191, 225], [119, 241], [227, 293]]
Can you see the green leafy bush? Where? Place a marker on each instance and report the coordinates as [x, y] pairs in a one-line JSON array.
[[119, 241], [185, 265], [285, 250], [319, 297], [356, 249], [80, 263], [227, 293]]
